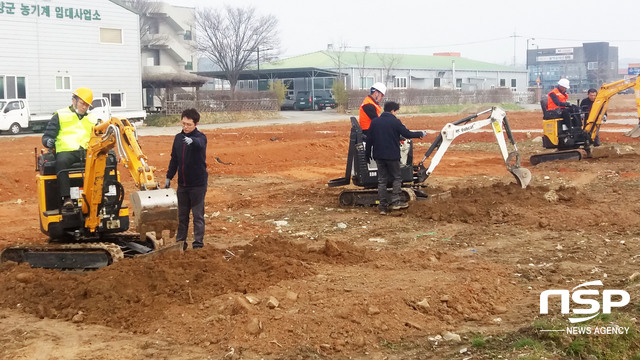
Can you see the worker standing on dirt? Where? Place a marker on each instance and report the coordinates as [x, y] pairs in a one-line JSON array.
[[68, 132], [370, 108], [189, 160], [558, 103], [384, 138]]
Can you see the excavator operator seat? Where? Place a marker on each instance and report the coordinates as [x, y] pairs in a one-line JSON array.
[[543, 106]]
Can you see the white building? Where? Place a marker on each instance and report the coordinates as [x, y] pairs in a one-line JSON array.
[[168, 53], [52, 47]]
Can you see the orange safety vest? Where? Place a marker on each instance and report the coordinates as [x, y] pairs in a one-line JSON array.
[[363, 118], [562, 97]]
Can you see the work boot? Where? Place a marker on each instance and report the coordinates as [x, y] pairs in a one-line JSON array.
[[399, 205], [383, 210], [67, 204]]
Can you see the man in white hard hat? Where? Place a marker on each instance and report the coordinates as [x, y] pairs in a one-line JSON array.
[[558, 103], [370, 108]]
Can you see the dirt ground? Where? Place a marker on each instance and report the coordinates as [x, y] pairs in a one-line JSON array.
[[288, 274]]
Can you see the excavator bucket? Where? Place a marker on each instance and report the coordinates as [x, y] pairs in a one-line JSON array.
[[634, 133], [522, 175], [155, 210]]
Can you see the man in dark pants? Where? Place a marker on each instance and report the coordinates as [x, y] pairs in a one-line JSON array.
[[384, 139], [189, 160], [69, 131]]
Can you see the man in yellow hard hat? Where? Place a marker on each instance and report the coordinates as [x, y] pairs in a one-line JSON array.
[[68, 132]]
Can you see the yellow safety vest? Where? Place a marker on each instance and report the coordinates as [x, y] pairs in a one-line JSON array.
[[74, 133]]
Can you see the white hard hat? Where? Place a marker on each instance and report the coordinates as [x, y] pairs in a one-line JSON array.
[[380, 87], [564, 83]]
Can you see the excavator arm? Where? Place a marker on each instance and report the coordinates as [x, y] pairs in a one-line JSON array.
[[155, 209], [601, 103], [498, 121]]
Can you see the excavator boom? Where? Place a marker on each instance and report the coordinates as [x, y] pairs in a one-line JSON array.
[[500, 125]]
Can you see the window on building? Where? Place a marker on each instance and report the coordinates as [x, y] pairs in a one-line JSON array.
[[592, 65], [513, 83], [250, 84], [241, 84], [288, 84], [63, 82], [116, 99], [400, 83], [13, 87], [503, 82], [328, 83], [436, 82], [440, 74], [458, 83], [110, 36], [318, 83], [366, 82], [153, 26], [187, 35], [189, 65], [21, 87]]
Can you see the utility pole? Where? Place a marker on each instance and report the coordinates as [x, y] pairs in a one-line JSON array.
[[514, 36]]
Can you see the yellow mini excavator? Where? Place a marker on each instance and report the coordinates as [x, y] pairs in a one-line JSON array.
[[568, 142], [94, 233]]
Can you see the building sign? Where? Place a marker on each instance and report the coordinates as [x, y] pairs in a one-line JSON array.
[[564, 51], [59, 12], [634, 69], [554, 58]]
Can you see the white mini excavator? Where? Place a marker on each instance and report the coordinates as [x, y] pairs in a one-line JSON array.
[[364, 174]]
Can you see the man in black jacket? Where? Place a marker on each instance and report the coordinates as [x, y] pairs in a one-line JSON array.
[[189, 160], [384, 138]]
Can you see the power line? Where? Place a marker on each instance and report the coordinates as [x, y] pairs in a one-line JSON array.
[[445, 45]]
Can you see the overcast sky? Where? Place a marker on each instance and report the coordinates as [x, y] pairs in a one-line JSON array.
[[481, 30]]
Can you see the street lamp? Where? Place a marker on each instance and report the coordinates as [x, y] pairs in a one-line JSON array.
[[527, 61]]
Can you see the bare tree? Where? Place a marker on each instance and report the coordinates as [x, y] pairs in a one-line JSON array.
[[389, 61], [148, 24], [229, 38]]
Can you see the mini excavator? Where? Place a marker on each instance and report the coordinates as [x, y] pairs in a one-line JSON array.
[[94, 233], [568, 142], [364, 174]]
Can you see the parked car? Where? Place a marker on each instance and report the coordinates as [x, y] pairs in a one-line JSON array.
[[288, 103], [322, 100]]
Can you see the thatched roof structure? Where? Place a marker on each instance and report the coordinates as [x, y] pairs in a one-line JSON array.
[[168, 77]]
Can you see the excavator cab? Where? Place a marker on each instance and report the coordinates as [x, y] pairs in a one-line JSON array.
[[557, 134], [58, 223]]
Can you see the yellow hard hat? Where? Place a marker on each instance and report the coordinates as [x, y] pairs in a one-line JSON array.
[[85, 94]]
